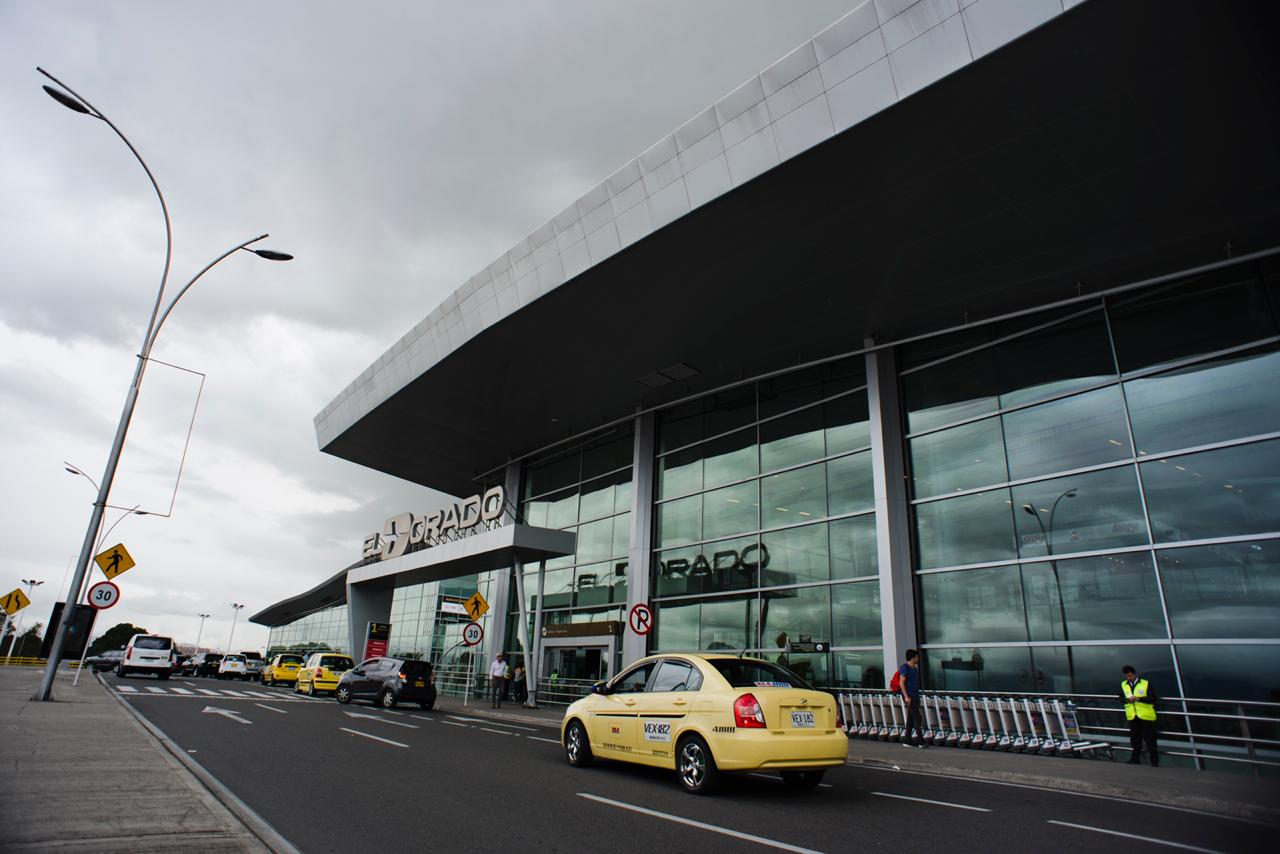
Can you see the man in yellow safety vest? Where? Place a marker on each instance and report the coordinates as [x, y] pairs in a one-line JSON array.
[[1140, 710]]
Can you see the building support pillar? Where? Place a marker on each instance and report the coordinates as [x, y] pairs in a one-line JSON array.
[[368, 602], [893, 519], [635, 647]]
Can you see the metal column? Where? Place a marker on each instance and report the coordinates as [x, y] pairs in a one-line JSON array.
[[369, 602], [635, 647], [893, 529], [495, 635]]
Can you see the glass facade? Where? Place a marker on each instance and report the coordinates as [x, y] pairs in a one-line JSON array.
[[1101, 488], [764, 524], [1087, 488]]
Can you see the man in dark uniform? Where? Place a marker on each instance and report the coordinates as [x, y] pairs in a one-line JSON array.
[[1140, 711]]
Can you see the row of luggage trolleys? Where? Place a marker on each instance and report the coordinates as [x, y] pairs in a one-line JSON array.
[[1047, 726]]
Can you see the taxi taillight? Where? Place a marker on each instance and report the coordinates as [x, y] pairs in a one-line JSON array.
[[747, 713]]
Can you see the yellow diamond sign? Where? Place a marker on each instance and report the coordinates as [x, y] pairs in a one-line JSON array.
[[115, 560], [476, 606], [14, 601]]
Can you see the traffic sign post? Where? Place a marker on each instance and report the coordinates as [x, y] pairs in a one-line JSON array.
[[114, 561], [472, 634], [12, 602], [641, 619], [104, 595]]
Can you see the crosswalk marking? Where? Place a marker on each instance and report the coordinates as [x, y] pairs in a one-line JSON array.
[[207, 691], [261, 694], [128, 689], [155, 690], [180, 690], [231, 693]]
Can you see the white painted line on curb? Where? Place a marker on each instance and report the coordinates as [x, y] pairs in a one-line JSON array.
[[736, 834], [374, 737], [1135, 836], [935, 803], [269, 709], [498, 731]]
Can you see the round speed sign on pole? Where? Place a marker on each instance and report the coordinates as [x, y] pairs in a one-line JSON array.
[[104, 594], [472, 634]]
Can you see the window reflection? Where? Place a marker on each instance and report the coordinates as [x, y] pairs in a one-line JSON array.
[[794, 496], [979, 669], [1086, 512], [725, 565], [1075, 432], [973, 605], [1113, 596], [1230, 590], [730, 510], [1239, 671], [849, 486], [957, 459], [1219, 493], [1096, 669], [858, 669], [798, 555], [969, 529], [1205, 403], [853, 547], [855, 614], [792, 439], [787, 614]]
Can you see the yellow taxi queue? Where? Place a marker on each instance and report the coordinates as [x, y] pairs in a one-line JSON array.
[[702, 715]]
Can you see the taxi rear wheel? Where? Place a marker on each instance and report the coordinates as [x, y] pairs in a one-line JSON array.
[[311, 688], [696, 767], [577, 747], [802, 779]]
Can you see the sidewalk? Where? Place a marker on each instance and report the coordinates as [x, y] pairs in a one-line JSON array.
[[83, 775], [1223, 794]]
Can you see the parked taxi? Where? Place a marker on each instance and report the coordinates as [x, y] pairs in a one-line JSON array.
[[321, 672], [703, 715], [282, 670]]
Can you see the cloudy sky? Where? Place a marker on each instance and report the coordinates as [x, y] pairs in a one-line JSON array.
[[395, 148]]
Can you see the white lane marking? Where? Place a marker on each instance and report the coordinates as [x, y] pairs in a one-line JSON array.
[[468, 720], [455, 723], [226, 713], [513, 726], [779, 779], [389, 712], [374, 737], [231, 693], [380, 720], [1071, 792], [1135, 836], [498, 731], [422, 717], [181, 691], [736, 834], [154, 690], [935, 803], [548, 740], [208, 692], [269, 709], [189, 684], [263, 694], [128, 689]]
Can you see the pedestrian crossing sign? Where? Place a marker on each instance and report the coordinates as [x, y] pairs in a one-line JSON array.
[[476, 606], [14, 601], [114, 560]]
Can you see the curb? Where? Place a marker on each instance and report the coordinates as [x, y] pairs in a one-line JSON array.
[[255, 824], [1195, 803]]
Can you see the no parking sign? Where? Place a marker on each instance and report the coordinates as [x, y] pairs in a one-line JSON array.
[[641, 619]]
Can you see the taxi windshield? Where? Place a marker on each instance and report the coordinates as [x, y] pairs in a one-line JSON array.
[[744, 673]]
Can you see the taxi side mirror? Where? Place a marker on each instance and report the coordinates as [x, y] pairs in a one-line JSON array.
[[600, 688]]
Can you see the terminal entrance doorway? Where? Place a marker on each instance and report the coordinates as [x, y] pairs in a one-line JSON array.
[[586, 652], [590, 663]]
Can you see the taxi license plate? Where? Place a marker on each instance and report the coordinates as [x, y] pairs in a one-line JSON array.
[[418, 683], [802, 719]]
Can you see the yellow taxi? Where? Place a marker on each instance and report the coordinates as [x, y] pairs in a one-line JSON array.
[[282, 670], [703, 715], [321, 672]]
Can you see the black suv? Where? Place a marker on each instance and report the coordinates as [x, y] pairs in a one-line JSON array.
[[389, 681], [202, 664]]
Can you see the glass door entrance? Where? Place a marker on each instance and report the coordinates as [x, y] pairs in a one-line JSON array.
[[587, 663]]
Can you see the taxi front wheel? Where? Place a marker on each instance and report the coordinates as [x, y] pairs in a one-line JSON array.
[[696, 766], [577, 747]]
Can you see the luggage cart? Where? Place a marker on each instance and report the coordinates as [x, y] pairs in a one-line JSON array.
[[1073, 744], [993, 729], [929, 718], [1006, 725], [954, 724], [1019, 741], [864, 715], [1033, 742], [1052, 744], [966, 725]]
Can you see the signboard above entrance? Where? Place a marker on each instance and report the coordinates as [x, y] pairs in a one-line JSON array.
[[438, 526], [581, 630]]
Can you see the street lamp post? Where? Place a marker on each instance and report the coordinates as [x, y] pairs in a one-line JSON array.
[[32, 584], [200, 633], [72, 100], [235, 612], [1047, 533]]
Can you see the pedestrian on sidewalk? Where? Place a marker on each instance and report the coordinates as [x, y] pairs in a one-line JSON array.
[[497, 680], [519, 689], [1140, 711], [909, 686]]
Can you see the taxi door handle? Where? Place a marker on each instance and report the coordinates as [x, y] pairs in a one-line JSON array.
[[629, 702], [679, 702]]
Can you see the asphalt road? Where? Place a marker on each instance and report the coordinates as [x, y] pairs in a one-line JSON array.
[[345, 778]]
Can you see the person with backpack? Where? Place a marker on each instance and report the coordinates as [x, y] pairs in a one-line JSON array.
[[907, 683]]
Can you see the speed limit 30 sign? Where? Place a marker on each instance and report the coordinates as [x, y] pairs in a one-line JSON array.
[[472, 634], [104, 594]]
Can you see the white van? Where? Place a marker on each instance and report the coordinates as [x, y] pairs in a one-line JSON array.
[[148, 654]]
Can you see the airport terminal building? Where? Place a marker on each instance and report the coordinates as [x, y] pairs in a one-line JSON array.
[[956, 328]]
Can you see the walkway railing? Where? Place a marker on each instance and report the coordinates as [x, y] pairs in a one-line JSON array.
[[1222, 734]]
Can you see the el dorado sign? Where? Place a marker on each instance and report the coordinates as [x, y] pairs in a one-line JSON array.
[[409, 529]]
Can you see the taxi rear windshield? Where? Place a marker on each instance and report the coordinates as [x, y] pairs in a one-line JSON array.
[[335, 662], [756, 674], [290, 659], [152, 643]]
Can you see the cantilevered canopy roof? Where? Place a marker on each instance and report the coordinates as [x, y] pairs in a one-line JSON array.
[[332, 591], [1116, 142]]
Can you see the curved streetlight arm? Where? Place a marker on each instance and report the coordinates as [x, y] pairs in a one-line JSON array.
[[164, 208], [155, 332]]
